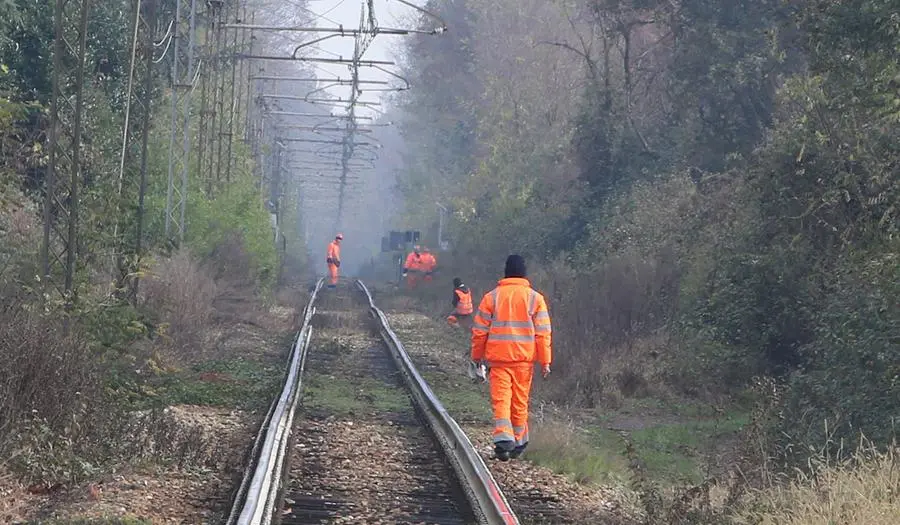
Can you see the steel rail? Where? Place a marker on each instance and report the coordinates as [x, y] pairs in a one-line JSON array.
[[258, 494], [257, 499], [484, 493]]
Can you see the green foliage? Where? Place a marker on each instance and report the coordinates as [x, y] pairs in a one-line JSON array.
[[9, 14], [589, 458], [236, 383], [441, 128], [352, 396], [26, 39], [851, 380], [112, 326], [238, 210], [727, 177]]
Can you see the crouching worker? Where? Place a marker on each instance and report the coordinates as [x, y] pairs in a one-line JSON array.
[[462, 305], [510, 332]]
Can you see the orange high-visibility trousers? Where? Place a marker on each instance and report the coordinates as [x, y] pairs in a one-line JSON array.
[[510, 388], [333, 274]]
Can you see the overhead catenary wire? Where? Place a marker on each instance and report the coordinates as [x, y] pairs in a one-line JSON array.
[[341, 150], [165, 51]]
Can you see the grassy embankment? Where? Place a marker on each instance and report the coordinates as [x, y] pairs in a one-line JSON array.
[[665, 448]]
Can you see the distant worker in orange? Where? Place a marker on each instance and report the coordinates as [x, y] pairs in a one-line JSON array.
[[413, 267], [462, 305], [429, 264], [334, 260], [510, 332]]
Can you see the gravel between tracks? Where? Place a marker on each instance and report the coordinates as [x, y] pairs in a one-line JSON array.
[[537, 494], [361, 453]]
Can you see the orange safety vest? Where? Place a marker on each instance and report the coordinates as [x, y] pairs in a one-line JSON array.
[[334, 253], [429, 262], [464, 306], [413, 263], [512, 326]]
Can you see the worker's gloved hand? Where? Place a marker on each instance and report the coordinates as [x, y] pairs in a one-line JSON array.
[[337, 263], [329, 260], [545, 371], [478, 372]]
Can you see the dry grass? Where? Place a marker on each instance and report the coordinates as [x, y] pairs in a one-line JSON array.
[[181, 293], [20, 237], [44, 373], [862, 490], [56, 422]]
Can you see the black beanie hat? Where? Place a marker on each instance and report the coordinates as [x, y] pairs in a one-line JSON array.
[[515, 267], [457, 282]]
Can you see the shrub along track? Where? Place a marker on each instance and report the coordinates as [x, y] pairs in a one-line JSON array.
[[181, 464], [362, 454]]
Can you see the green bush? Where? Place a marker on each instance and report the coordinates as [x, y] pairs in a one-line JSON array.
[[850, 383], [237, 211]]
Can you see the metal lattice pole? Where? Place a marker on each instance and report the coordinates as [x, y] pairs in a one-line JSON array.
[[183, 79], [208, 139], [239, 81], [275, 186], [135, 138], [60, 243], [205, 71], [219, 137], [233, 98], [249, 125], [149, 20]]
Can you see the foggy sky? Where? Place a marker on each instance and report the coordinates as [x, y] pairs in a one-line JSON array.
[[370, 205]]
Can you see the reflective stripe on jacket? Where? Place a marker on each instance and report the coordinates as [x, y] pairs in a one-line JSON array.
[[512, 326], [334, 253], [463, 302]]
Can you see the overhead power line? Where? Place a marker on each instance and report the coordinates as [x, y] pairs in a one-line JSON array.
[[343, 154]]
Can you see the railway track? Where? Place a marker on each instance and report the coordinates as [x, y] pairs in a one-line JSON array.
[[357, 436]]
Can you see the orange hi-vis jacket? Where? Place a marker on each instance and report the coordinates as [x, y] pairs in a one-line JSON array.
[[334, 253], [429, 262], [463, 302], [512, 326], [414, 263]]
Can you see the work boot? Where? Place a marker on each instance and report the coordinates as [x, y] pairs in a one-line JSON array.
[[516, 452], [502, 450]]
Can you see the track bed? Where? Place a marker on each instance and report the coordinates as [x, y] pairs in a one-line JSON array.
[[362, 454]]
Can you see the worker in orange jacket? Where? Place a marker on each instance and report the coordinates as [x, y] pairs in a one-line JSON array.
[[414, 267], [333, 259], [462, 305], [510, 332], [429, 264]]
